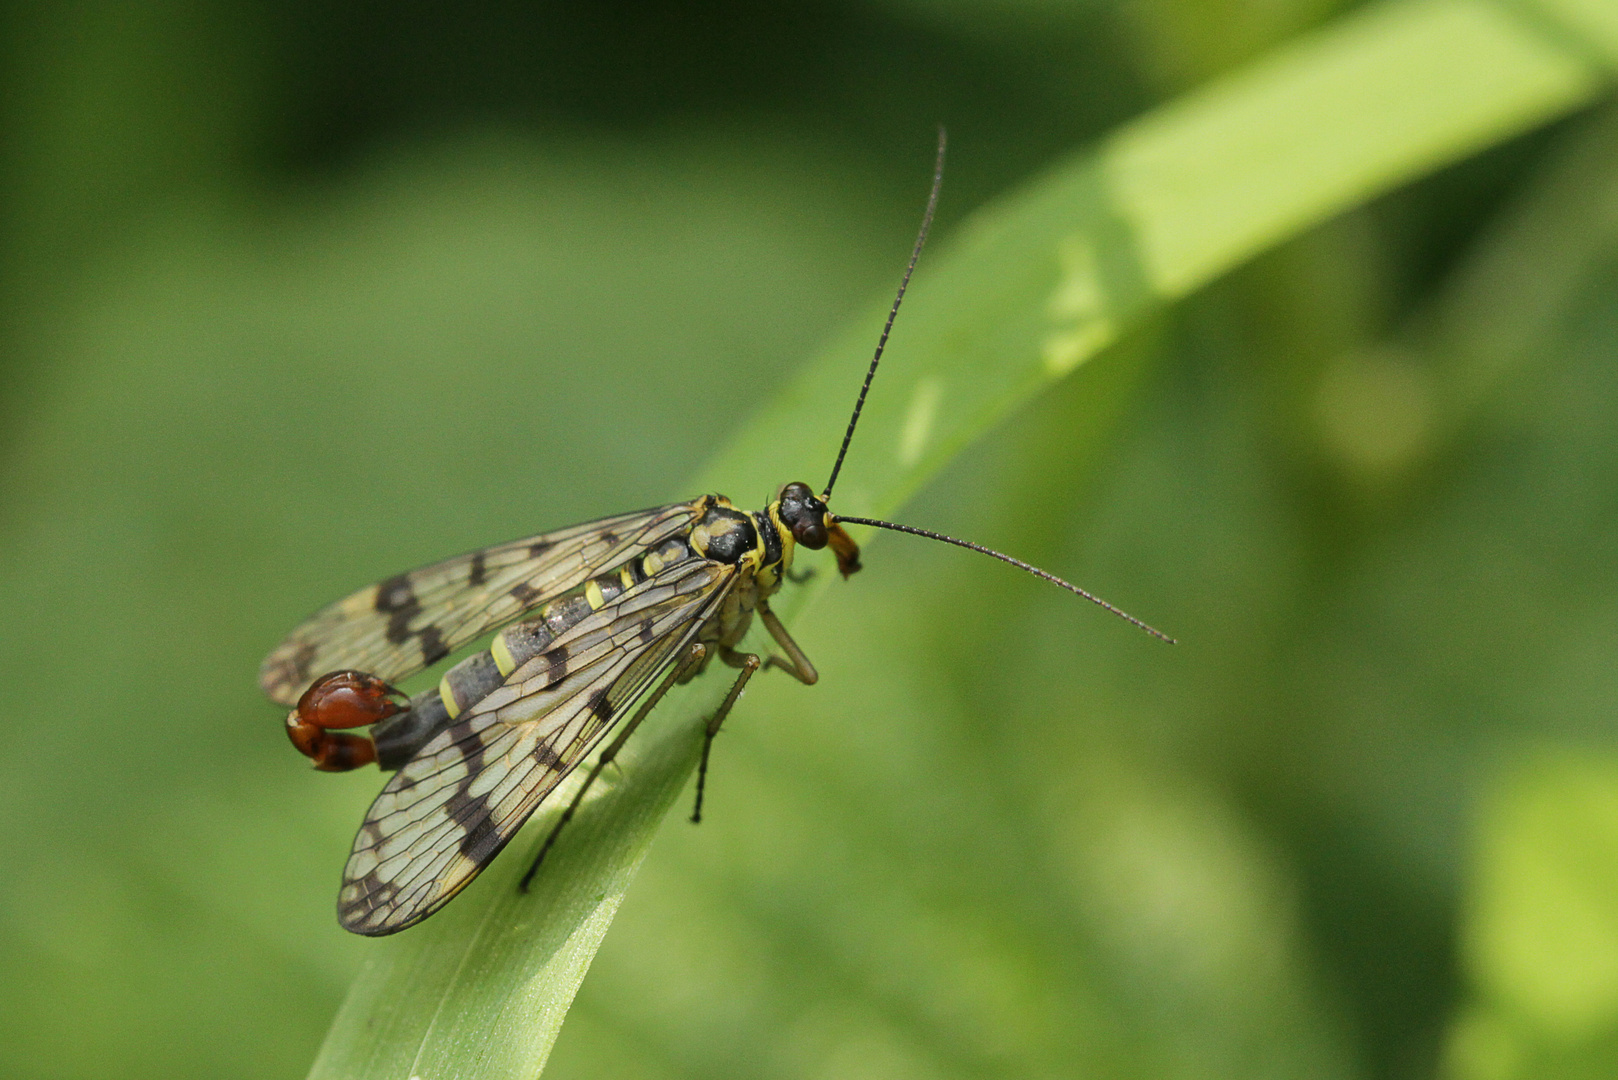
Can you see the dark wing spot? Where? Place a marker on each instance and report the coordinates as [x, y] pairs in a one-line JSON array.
[[556, 664], [287, 669], [394, 594], [646, 630], [601, 707], [398, 630], [473, 760], [397, 600], [483, 839], [545, 754], [463, 808], [475, 575], [538, 548], [433, 648], [524, 593], [303, 658], [376, 892]]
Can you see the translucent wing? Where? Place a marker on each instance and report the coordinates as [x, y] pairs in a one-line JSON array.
[[399, 626], [451, 809]]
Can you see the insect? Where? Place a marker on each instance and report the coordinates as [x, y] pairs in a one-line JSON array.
[[592, 624]]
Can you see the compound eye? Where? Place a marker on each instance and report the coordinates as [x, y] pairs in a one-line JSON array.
[[811, 533]]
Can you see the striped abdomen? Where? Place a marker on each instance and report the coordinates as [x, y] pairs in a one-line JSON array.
[[470, 681]]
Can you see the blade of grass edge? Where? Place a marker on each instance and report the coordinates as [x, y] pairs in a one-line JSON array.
[[1027, 290]]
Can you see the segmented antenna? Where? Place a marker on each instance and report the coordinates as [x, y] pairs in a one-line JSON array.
[[1018, 563], [870, 373]]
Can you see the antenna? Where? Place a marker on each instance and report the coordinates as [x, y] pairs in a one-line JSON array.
[[859, 404], [1018, 563], [870, 373]]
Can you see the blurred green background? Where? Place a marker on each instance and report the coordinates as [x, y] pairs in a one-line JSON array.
[[295, 296]]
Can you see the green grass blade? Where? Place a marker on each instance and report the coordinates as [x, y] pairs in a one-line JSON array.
[[1028, 290]]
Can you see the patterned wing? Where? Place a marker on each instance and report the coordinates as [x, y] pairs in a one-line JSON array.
[[451, 809], [399, 626]]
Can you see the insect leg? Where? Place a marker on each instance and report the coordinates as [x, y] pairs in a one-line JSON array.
[[694, 656], [799, 668], [749, 663]]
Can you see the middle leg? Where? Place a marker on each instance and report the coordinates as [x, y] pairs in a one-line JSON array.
[[749, 663]]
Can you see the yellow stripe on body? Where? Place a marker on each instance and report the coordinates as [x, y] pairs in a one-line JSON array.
[[592, 595], [448, 696], [502, 655]]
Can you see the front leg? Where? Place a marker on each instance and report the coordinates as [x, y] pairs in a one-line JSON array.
[[799, 666], [738, 660]]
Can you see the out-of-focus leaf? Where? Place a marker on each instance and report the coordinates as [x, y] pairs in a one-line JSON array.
[[1541, 937], [1530, 267]]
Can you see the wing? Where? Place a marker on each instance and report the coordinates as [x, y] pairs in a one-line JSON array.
[[399, 626], [451, 809]]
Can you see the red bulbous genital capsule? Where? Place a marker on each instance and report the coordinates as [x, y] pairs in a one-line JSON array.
[[348, 699], [342, 699]]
